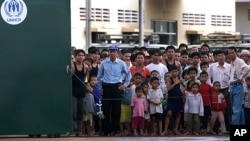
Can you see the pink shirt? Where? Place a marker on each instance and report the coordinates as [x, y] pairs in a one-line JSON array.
[[139, 106]]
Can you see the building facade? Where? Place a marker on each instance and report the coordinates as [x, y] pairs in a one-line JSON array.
[[175, 21]]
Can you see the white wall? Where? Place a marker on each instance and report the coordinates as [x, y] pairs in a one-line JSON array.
[[242, 22]]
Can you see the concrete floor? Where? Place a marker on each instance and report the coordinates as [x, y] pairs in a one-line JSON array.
[[172, 138]]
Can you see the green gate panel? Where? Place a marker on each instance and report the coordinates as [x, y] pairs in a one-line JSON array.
[[35, 91]]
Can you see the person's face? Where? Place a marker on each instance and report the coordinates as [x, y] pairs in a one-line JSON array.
[[154, 74], [221, 57], [244, 57], [145, 89], [186, 76], [194, 49], [95, 56], [203, 78], [196, 60], [93, 81], [139, 93], [126, 56], [204, 49], [184, 59], [174, 73], [137, 80], [204, 68], [182, 48], [170, 53], [113, 54], [155, 84], [231, 54], [217, 87], [192, 74], [204, 58], [80, 57], [195, 88], [139, 59], [177, 56], [156, 58]]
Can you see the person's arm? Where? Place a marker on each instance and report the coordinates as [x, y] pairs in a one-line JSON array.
[[126, 70], [171, 86], [201, 111], [100, 76], [245, 71]]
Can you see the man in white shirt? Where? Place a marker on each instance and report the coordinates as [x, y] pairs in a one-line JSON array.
[[220, 71], [239, 71]]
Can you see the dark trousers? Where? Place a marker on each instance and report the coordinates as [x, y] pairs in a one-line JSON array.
[[77, 106], [111, 106], [228, 112]]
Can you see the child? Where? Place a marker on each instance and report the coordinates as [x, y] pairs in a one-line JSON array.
[[204, 67], [193, 73], [147, 115], [155, 98], [137, 82], [90, 105], [185, 77], [206, 93], [175, 100], [139, 108], [126, 114], [193, 109], [247, 101], [97, 97], [218, 108]]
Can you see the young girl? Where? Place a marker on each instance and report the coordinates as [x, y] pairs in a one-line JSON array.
[[193, 109], [175, 100], [155, 98], [218, 107], [139, 108]]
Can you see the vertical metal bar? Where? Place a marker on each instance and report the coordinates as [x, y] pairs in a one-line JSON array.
[[141, 23], [88, 24]]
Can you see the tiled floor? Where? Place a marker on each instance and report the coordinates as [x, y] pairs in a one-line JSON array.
[[173, 138]]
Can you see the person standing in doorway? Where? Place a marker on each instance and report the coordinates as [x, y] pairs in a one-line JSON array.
[[113, 77], [239, 71]]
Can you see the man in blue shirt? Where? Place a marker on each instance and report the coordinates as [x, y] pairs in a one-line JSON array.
[[113, 77]]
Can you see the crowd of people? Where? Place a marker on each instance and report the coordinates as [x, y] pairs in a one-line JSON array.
[[121, 92]]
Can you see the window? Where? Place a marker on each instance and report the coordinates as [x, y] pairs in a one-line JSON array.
[[221, 20], [167, 31], [193, 19], [128, 16], [97, 14]]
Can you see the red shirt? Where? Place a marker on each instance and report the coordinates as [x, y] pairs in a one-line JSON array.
[[206, 93], [144, 71], [218, 102]]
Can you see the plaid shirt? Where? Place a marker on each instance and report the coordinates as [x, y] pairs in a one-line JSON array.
[[247, 97]]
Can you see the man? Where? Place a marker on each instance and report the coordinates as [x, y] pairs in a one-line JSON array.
[[220, 71], [205, 47], [245, 55], [239, 71], [169, 59], [113, 77], [79, 71], [140, 67]]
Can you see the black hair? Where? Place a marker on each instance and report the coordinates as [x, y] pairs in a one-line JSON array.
[[124, 51], [195, 83], [170, 47], [204, 73], [205, 45], [138, 88], [155, 51], [233, 48], [174, 67], [189, 84], [204, 53], [153, 79], [137, 74], [192, 69], [184, 72], [132, 57], [247, 78], [93, 50], [203, 64], [183, 45], [216, 82], [154, 71], [184, 52], [196, 54], [139, 53], [77, 51]]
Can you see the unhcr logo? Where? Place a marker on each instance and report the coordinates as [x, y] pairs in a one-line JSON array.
[[13, 11]]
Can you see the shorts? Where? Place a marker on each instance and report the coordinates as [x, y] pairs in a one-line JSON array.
[[207, 111], [126, 113], [88, 118], [147, 115], [138, 122], [158, 116]]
